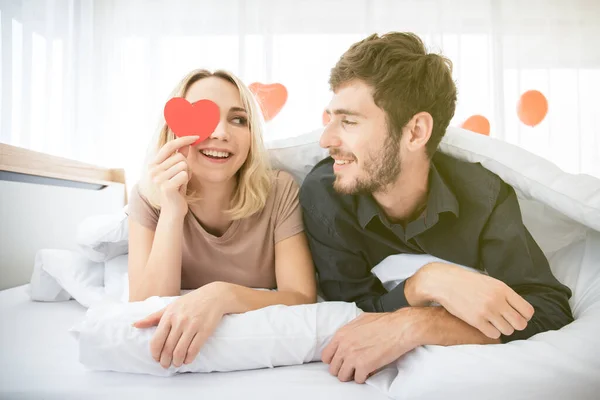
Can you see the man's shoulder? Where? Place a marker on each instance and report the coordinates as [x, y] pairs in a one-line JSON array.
[[462, 168], [471, 179]]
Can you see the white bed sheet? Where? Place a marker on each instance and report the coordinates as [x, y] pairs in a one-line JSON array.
[[38, 359]]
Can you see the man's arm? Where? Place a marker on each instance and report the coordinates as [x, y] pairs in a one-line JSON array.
[[343, 274], [518, 299], [509, 253], [436, 326], [373, 340]]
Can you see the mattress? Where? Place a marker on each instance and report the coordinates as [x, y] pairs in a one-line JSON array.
[[39, 360]]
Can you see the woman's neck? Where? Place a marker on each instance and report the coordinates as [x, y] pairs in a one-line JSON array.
[[215, 199]]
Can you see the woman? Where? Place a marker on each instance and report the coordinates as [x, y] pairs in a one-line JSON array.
[[214, 218]]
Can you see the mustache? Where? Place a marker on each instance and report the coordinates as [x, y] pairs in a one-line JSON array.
[[340, 153]]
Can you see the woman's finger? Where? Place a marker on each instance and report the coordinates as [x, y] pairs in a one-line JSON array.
[[196, 345], [171, 172], [178, 180], [166, 356], [150, 321], [185, 150], [171, 146], [155, 170], [346, 373], [181, 350], [361, 376], [159, 338]]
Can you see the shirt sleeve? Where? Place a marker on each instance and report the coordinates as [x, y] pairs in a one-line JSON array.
[[343, 274], [509, 253], [141, 210], [288, 214]]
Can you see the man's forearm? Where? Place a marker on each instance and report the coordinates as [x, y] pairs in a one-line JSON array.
[[436, 326]]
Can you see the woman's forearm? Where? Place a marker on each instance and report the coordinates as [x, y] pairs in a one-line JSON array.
[[238, 299], [162, 273]]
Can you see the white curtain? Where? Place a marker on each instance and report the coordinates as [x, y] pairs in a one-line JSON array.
[[88, 79]]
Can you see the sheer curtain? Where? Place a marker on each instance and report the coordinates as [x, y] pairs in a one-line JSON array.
[[88, 79]]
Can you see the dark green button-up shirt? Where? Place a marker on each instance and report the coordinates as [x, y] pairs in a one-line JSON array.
[[472, 218]]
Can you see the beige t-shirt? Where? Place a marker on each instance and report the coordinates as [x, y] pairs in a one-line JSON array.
[[245, 253]]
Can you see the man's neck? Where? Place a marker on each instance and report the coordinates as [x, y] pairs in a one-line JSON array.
[[406, 198]]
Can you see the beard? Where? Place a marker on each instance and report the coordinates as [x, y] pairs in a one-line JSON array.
[[379, 170]]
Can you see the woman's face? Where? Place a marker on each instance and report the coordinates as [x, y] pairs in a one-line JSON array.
[[218, 158]]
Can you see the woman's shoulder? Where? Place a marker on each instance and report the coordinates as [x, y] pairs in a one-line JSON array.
[[283, 181], [281, 175], [140, 193], [141, 208], [284, 203], [283, 187]]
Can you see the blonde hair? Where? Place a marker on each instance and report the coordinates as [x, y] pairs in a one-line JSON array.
[[254, 176]]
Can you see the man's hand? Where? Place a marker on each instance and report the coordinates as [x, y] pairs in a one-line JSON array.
[[481, 301], [368, 343]]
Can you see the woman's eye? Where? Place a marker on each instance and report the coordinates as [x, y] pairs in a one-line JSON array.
[[240, 120]]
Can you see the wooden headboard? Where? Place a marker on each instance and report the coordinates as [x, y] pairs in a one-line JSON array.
[[43, 200], [28, 162]]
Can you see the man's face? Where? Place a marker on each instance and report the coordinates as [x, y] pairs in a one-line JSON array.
[[367, 157]]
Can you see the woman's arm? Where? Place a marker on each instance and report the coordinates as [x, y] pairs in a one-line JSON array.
[[155, 258], [295, 281], [186, 324], [155, 250]]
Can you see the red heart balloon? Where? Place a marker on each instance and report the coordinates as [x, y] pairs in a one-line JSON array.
[[271, 98], [185, 119]]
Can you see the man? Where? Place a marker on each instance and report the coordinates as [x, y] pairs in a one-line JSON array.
[[385, 190]]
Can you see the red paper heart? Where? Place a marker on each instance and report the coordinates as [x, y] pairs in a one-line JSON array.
[[271, 98], [185, 119]]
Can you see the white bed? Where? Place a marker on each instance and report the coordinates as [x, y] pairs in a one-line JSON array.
[[39, 360]]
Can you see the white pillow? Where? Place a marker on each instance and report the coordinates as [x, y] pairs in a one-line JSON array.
[[116, 278], [398, 267], [43, 286], [273, 336], [297, 155], [58, 273], [102, 237], [265, 338]]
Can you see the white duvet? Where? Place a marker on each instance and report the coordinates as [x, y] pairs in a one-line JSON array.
[[561, 211]]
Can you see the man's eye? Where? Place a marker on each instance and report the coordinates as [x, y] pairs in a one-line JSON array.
[[345, 121]]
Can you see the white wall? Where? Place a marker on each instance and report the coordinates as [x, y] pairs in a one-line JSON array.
[[38, 216]]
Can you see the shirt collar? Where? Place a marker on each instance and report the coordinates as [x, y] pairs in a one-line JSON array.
[[441, 199]]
